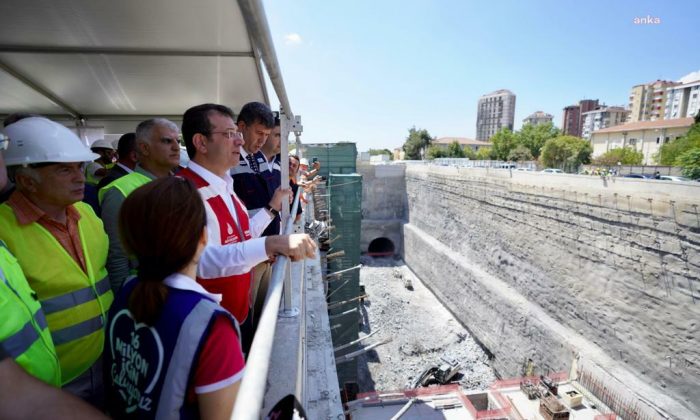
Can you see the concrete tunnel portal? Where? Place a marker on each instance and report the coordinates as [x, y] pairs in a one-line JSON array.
[[381, 247]]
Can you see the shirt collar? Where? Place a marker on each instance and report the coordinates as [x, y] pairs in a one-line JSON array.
[[27, 212], [212, 179], [126, 168], [140, 169], [182, 282]]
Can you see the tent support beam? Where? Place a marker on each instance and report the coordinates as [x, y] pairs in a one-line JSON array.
[[36, 87], [41, 49]]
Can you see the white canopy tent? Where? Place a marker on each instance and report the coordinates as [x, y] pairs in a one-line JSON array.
[[113, 63]]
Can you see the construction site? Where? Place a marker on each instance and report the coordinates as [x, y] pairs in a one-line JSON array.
[[487, 293]]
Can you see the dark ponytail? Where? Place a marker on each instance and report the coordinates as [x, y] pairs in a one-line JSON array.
[[160, 224]]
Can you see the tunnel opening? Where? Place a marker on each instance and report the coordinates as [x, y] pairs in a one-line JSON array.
[[381, 247]]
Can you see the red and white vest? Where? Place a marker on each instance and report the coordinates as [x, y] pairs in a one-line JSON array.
[[223, 230]]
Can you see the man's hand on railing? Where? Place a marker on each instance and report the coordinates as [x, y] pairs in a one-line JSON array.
[[296, 246], [279, 197]]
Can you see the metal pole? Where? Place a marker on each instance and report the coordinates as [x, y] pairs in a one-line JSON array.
[[288, 311]]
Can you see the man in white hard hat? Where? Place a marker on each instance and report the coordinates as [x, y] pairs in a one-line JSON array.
[[96, 170], [60, 245], [158, 153]]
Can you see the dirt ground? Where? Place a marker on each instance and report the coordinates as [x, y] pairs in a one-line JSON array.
[[421, 329]]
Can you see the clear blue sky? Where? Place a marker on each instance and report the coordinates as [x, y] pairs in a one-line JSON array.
[[367, 71]]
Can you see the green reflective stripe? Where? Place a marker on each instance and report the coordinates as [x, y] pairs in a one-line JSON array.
[[77, 331], [16, 344], [69, 300], [40, 319]]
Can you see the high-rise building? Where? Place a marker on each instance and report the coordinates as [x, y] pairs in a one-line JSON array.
[[495, 111], [537, 118], [602, 117], [647, 101], [573, 116], [683, 100]]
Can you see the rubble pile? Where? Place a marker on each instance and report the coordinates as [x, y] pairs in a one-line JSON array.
[[421, 329]]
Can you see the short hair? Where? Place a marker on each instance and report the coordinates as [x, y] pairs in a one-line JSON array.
[[256, 112], [161, 224], [14, 117], [196, 120], [28, 171], [276, 116], [145, 128], [127, 144]]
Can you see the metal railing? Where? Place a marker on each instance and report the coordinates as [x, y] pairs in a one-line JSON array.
[[252, 392]]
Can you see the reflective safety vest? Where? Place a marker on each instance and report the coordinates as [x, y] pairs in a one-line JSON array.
[[75, 303], [92, 179], [148, 368], [223, 230], [126, 184], [24, 335]]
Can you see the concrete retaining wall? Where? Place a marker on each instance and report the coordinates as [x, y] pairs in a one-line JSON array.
[[383, 204], [544, 267]]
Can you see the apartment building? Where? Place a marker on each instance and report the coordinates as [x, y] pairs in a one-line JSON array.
[[647, 101], [602, 117], [537, 118], [573, 116], [495, 111], [683, 100]]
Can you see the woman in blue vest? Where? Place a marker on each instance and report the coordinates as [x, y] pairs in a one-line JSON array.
[[171, 350]]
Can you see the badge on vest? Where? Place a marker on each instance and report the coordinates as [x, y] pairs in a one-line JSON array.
[[131, 371]]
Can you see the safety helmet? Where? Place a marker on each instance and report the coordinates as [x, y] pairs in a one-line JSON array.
[[102, 144], [304, 161], [40, 140]]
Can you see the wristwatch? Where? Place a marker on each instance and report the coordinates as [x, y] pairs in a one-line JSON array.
[[272, 211]]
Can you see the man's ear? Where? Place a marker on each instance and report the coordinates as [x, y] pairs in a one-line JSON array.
[[25, 183], [199, 141]]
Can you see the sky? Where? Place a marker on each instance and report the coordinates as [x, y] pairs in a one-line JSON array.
[[368, 71]]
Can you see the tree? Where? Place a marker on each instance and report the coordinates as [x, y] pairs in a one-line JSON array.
[[669, 152], [375, 152], [484, 153], [566, 152], [416, 141], [469, 153], [435, 152], [455, 150], [623, 155], [520, 153], [690, 161], [502, 143], [535, 136]]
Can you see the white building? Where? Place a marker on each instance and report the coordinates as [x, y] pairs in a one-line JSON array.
[[645, 136], [602, 117], [683, 100], [494, 112], [465, 143], [537, 118]]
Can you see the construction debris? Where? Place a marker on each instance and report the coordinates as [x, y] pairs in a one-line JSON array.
[[423, 332]]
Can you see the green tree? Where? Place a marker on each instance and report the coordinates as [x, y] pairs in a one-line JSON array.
[[375, 152], [502, 143], [455, 150], [566, 152], [520, 153], [535, 136], [623, 155], [435, 152], [669, 152], [690, 162], [415, 142], [484, 153], [469, 153]]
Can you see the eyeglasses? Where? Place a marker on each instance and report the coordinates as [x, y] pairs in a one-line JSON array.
[[4, 142], [230, 134]]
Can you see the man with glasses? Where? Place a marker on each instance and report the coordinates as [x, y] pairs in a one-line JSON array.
[[60, 245], [235, 246], [158, 153]]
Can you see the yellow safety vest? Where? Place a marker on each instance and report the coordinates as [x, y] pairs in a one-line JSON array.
[[126, 185], [75, 303], [24, 335]]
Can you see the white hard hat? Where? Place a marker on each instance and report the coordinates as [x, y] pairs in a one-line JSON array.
[[304, 161], [40, 140], [102, 143]]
